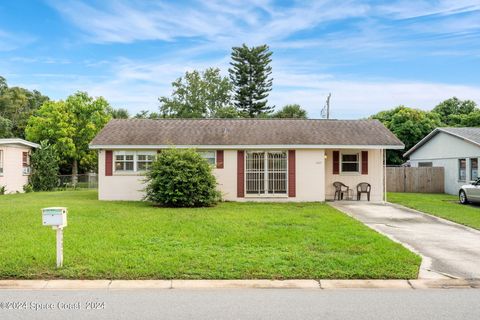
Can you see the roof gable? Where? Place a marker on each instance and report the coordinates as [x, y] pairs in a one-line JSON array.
[[23, 142], [468, 134], [244, 132]]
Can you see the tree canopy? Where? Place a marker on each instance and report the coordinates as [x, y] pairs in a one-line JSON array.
[[119, 113], [453, 110], [409, 125], [199, 94], [291, 111], [17, 105], [250, 74], [69, 126]]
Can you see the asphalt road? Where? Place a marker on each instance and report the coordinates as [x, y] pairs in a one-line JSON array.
[[275, 304]]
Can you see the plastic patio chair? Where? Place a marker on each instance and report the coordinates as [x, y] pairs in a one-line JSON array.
[[363, 187], [340, 190]]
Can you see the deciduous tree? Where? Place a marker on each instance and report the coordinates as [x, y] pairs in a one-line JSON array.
[[452, 110], [198, 94], [70, 125], [409, 125], [291, 111]]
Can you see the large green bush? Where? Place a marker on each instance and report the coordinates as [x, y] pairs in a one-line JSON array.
[[181, 178], [44, 163]]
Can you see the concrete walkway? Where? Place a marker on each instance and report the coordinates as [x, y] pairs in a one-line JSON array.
[[448, 249]]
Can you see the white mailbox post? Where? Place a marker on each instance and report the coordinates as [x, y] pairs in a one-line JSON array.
[[56, 217]]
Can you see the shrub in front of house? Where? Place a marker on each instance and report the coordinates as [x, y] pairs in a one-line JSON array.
[[181, 178], [44, 169]]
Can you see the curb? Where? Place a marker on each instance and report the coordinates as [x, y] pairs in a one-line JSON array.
[[239, 284]]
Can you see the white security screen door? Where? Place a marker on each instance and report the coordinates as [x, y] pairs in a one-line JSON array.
[[266, 172]]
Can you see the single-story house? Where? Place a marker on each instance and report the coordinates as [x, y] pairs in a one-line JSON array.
[[15, 163], [457, 150], [253, 159]]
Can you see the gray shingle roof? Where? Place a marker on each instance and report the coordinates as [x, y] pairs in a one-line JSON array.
[[197, 132], [469, 134]]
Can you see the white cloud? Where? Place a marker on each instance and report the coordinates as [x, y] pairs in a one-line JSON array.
[[137, 85], [407, 9], [10, 41], [216, 21]]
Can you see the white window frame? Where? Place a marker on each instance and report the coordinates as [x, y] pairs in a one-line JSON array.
[[266, 194], [359, 162], [143, 153], [1, 162], [470, 160], [458, 171], [135, 155], [203, 154]]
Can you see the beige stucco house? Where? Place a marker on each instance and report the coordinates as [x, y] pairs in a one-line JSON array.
[[253, 159], [15, 163]]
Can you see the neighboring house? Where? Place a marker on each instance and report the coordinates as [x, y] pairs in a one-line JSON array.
[[15, 163], [457, 150], [253, 159]]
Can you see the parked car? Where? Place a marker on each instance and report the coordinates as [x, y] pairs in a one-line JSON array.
[[470, 192]]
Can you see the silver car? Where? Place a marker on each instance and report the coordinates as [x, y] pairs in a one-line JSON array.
[[470, 192]]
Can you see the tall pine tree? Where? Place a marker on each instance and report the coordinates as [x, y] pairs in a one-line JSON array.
[[250, 76]]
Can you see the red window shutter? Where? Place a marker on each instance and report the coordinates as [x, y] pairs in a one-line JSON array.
[[240, 173], [219, 159], [364, 162], [291, 174], [25, 159], [336, 162], [108, 162]]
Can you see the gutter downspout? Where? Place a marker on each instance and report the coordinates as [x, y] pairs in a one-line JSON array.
[[384, 176]]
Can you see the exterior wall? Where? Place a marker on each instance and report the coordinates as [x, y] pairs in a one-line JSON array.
[[310, 177], [374, 177], [309, 180], [127, 187], [13, 177], [437, 152]]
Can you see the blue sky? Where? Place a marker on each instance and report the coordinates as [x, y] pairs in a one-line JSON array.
[[371, 55]]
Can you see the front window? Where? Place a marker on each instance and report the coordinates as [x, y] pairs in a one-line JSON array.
[[425, 164], [462, 169], [473, 169], [208, 155], [133, 161], [25, 159], [124, 161], [144, 161], [350, 162], [266, 172]]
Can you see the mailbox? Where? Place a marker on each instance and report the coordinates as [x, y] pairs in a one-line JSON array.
[[55, 217]]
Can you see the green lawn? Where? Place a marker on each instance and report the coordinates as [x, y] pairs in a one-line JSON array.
[[132, 240], [442, 205]]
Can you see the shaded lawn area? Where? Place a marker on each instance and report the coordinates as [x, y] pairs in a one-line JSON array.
[[133, 240], [442, 205]]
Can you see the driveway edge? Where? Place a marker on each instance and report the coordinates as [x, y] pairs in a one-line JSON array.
[[326, 284], [425, 271]]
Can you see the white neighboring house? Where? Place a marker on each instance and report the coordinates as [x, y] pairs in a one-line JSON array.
[[457, 150], [253, 159], [15, 163]]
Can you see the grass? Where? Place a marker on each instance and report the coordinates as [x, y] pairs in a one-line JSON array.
[[133, 240], [442, 205]]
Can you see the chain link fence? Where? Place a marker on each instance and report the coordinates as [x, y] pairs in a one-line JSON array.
[[83, 181]]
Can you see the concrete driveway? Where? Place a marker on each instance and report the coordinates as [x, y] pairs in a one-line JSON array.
[[447, 248]]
